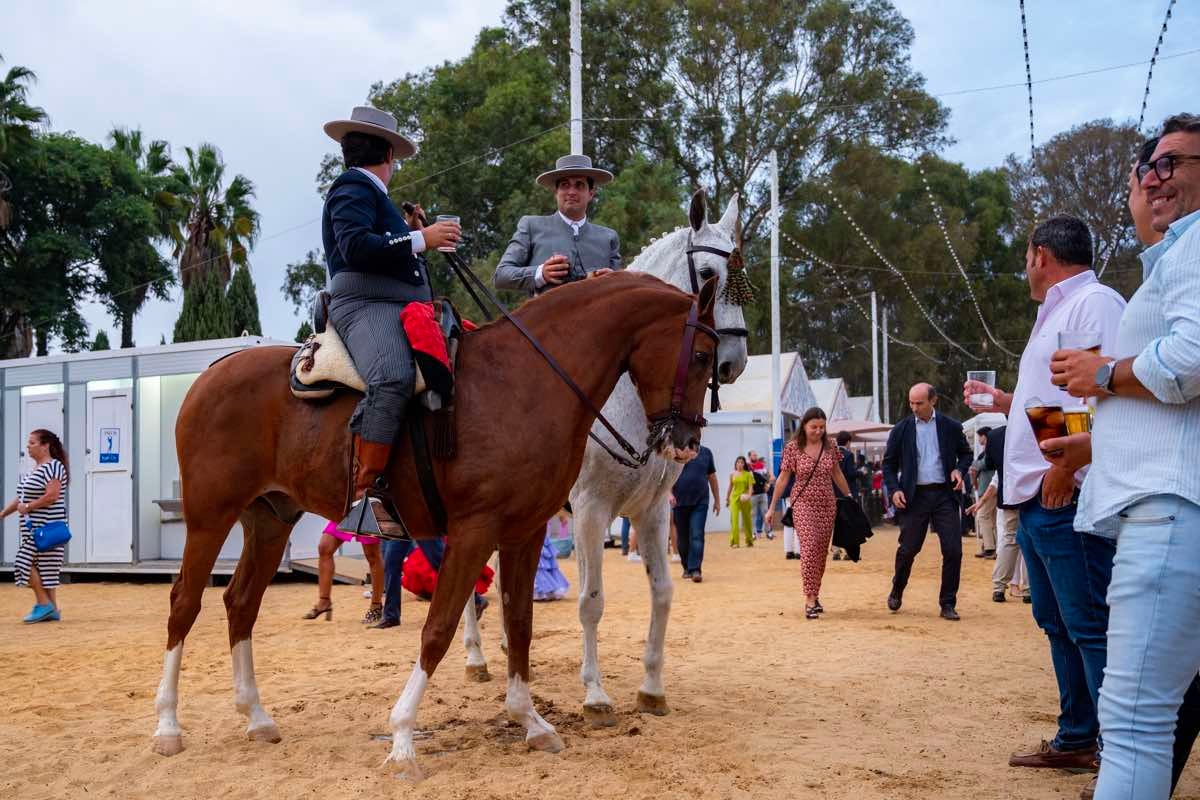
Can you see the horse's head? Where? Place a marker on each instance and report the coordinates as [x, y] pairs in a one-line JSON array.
[[667, 258], [671, 367]]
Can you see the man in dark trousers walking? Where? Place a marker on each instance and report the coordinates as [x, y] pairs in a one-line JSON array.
[[923, 467]]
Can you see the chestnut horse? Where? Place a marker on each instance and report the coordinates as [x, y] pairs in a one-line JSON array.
[[249, 450]]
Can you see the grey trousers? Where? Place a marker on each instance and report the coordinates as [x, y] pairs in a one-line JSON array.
[[1009, 566], [371, 330]]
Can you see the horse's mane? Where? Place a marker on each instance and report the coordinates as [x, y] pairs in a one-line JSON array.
[[652, 248]]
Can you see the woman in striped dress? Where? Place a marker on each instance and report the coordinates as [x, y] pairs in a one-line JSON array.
[[41, 499]]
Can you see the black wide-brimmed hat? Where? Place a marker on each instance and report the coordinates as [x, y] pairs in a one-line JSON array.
[[574, 165], [365, 119]]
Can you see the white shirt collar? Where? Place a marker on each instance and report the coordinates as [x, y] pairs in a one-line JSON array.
[[932, 417], [374, 179], [1064, 289], [575, 225]]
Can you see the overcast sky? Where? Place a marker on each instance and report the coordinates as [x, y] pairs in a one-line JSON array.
[[259, 79]]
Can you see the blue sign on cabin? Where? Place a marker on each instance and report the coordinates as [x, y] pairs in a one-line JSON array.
[[110, 445]]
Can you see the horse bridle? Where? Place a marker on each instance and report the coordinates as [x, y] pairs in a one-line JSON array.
[[714, 385], [662, 422]]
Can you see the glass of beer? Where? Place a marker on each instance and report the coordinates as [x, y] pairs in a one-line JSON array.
[[982, 399], [447, 248], [1080, 340], [1048, 421]]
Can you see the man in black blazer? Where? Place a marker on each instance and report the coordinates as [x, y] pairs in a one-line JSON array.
[[923, 467]]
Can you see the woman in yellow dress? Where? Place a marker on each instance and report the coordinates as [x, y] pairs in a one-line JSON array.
[[737, 500]]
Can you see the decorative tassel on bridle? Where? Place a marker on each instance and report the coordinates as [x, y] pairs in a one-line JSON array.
[[738, 289]]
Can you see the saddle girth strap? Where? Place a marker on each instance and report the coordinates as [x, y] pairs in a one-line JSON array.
[[425, 474]]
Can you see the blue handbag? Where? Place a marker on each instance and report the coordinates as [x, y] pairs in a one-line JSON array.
[[50, 535]]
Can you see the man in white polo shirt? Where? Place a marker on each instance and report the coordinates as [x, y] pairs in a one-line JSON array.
[[1068, 572]]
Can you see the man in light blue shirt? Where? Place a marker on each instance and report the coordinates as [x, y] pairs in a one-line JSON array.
[[1143, 487]]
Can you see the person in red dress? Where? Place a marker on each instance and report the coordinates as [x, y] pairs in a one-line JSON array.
[[815, 462]]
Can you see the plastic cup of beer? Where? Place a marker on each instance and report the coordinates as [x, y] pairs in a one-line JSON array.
[[447, 248], [1078, 419], [982, 399], [1079, 340]]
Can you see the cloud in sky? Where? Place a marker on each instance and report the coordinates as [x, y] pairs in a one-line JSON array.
[[259, 79]]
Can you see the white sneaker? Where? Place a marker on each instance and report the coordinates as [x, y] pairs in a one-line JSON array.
[[634, 558], [675, 557], [367, 593]]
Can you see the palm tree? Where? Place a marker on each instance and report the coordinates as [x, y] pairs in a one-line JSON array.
[[154, 164], [219, 224], [17, 120]]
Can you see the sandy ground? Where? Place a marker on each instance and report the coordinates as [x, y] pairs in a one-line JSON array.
[[861, 704]]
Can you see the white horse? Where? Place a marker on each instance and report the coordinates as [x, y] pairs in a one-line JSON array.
[[606, 489]]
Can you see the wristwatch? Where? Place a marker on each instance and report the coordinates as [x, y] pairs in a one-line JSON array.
[[1104, 377]]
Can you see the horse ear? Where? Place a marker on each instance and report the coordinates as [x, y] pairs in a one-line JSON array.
[[696, 212], [729, 218], [708, 296]]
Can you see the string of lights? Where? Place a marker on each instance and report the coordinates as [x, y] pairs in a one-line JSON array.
[[1153, 59], [853, 298], [908, 287], [1028, 76], [940, 217]]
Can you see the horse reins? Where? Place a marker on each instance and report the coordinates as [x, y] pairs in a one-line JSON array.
[[662, 421]]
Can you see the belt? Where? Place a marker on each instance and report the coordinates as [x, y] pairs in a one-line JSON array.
[[942, 485]]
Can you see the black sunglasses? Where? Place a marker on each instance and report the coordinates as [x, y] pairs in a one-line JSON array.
[[1163, 166]]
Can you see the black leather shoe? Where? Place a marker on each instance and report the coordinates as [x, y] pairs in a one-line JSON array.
[[385, 623], [894, 602], [998, 597], [949, 613]]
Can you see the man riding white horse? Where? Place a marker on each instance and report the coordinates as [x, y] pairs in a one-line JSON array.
[[375, 269], [546, 251]]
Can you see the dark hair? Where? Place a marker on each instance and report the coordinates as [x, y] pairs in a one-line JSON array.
[[1147, 150], [57, 451], [813, 413], [1181, 123], [745, 463], [843, 438], [984, 431], [591, 181], [364, 150], [1067, 237]]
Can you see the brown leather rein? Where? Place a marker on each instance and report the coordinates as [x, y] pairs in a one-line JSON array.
[[662, 422]]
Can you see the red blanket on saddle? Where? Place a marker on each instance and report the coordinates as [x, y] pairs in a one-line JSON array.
[[421, 579], [428, 343]]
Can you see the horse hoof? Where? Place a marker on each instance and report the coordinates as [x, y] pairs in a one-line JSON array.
[[267, 733], [478, 673], [410, 770], [655, 704], [600, 716], [547, 742], [168, 745]]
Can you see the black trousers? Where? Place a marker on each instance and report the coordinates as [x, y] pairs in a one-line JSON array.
[[1186, 730], [936, 505]]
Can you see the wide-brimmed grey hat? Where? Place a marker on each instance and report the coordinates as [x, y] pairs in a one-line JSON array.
[[573, 165], [365, 119]]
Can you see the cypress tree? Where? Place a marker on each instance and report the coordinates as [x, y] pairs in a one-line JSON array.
[[101, 342], [305, 331], [206, 313], [243, 304]]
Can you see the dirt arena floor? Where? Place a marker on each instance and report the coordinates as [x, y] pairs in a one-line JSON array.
[[861, 704]]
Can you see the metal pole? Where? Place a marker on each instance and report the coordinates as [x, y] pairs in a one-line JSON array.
[[776, 417], [885, 413], [874, 354], [576, 78]]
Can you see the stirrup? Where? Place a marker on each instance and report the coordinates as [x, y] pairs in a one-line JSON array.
[[361, 521]]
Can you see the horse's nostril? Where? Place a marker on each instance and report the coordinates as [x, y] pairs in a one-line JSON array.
[[725, 370]]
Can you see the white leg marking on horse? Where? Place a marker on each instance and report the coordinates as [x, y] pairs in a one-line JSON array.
[[539, 734], [477, 668], [589, 530], [403, 721], [245, 695], [168, 735]]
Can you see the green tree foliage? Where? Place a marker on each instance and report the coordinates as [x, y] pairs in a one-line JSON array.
[[1084, 172], [303, 280], [100, 342], [206, 313], [220, 224], [306, 330], [243, 304], [18, 120]]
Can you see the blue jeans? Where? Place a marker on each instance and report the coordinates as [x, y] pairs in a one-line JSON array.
[[624, 536], [689, 533], [394, 553], [1154, 651], [1069, 573]]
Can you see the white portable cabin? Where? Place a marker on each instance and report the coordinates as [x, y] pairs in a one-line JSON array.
[[115, 412]]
